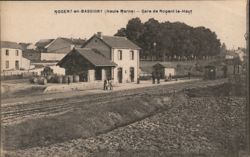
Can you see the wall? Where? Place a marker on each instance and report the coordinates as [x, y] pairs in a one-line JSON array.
[[52, 56], [125, 64], [25, 63], [91, 75], [36, 70], [169, 71], [56, 70]]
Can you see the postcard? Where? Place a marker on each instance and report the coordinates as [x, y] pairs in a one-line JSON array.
[[124, 78]]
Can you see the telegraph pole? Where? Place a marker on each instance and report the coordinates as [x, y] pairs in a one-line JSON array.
[[247, 107]]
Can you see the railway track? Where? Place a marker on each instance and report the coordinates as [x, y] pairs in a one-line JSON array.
[[15, 113]]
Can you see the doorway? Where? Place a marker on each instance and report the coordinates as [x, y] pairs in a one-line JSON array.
[[108, 74], [98, 74], [83, 76], [119, 75], [132, 74]]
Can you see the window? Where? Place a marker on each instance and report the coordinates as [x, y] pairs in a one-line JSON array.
[[7, 52], [119, 54], [132, 55], [17, 65], [7, 64], [16, 52]]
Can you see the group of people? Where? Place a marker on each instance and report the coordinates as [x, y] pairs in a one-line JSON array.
[[107, 85], [156, 76]]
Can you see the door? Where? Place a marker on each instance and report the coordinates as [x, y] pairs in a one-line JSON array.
[[108, 73], [132, 74], [84, 76], [98, 74], [119, 75]]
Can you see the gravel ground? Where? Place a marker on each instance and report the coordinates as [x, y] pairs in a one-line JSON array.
[[199, 125]]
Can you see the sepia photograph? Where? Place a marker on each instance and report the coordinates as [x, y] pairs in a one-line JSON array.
[[124, 78]]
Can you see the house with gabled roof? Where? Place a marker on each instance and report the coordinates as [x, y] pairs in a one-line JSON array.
[[41, 44], [120, 50], [164, 70], [58, 48], [12, 58]]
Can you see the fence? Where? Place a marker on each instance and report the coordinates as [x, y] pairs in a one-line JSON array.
[[17, 75]]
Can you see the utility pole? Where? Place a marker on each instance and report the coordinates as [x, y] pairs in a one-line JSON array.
[[247, 104]]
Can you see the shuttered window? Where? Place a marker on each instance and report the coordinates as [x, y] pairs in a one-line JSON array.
[[132, 55], [119, 54], [7, 52]]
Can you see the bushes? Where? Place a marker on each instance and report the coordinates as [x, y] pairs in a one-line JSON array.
[[47, 71]]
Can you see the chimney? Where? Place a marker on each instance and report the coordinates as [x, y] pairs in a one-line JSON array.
[[99, 35]]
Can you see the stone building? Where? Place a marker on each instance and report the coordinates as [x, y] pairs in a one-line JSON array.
[[12, 58], [121, 51], [104, 57]]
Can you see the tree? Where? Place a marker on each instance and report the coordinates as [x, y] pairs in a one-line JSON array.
[[223, 48], [121, 32], [172, 39], [150, 38], [47, 71], [134, 29]]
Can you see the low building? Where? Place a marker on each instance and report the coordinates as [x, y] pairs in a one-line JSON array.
[[164, 70], [121, 51], [209, 72], [90, 64], [12, 58]]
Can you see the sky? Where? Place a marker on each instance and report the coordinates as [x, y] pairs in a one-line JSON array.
[[29, 21]]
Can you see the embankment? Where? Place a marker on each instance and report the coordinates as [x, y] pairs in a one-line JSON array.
[[172, 123]]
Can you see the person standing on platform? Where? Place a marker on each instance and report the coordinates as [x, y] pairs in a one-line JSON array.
[[158, 78], [105, 85], [110, 85], [153, 77], [68, 80]]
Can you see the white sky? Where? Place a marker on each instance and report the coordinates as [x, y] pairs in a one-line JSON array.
[[29, 21]]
